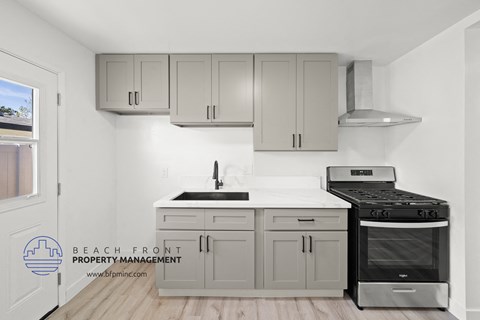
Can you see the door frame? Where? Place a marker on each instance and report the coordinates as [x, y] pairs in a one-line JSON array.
[[61, 170]]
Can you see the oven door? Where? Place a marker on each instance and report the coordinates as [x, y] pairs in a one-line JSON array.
[[403, 251]]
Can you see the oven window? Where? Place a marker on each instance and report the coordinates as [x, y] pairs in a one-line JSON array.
[[401, 247]]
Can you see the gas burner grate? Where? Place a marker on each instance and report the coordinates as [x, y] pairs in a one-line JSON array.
[[372, 195]]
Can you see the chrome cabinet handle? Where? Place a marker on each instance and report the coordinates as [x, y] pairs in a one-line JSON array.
[[311, 244], [299, 140], [404, 290], [208, 249], [208, 112], [136, 98], [303, 244], [130, 98], [293, 140], [200, 242], [214, 112]]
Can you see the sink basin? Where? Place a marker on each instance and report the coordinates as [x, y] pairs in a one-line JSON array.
[[212, 196]]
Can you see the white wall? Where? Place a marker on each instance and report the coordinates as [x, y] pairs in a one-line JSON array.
[[429, 156], [472, 170], [87, 137], [146, 145]]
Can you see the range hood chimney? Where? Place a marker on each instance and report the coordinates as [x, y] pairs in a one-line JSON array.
[[360, 112]]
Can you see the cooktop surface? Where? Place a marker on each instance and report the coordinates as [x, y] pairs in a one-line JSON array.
[[383, 196]]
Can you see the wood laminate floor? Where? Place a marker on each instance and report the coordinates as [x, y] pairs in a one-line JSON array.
[[137, 298]]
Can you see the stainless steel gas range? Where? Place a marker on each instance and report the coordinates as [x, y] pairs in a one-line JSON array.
[[398, 253]]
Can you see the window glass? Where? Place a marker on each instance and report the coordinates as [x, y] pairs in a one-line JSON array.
[[16, 109], [16, 170], [18, 146]]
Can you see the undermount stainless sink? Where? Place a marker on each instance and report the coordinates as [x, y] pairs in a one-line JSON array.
[[212, 196]]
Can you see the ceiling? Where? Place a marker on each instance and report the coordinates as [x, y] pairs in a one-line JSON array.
[[380, 30]]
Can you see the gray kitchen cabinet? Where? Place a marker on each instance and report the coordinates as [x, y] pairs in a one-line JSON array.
[[211, 89], [275, 102], [209, 258], [190, 88], [181, 219], [317, 101], [327, 260], [232, 88], [132, 83], [190, 272], [151, 82], [230, 260], [305, 219], [228, 219], [115, 82], [284, 260], [311, 260], [296, 102]]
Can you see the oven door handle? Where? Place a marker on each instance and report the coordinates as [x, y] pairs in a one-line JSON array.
[[404, 225]]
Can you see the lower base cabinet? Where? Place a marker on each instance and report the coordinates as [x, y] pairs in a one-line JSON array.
[[305, 260], [230, 261], [209, 259]]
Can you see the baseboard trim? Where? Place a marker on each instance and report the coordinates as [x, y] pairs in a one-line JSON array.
[[250, 293], [84, 281], [457, 310]]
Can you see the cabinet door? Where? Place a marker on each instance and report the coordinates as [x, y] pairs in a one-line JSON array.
[[190, 88], [189, 272], [151, 82], [327, 260], [284, 260], [317, 105], [115, 82], [232, 88], [230, 260], [275, 111]]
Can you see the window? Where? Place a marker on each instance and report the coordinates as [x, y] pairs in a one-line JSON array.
[[18, 139]]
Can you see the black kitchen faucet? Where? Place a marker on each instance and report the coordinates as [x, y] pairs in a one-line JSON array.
[[218, 183]]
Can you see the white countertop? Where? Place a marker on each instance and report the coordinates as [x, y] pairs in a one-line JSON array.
[[261, 198]]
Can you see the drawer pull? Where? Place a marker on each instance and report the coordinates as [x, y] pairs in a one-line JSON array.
[[404, 290], [306, 220]]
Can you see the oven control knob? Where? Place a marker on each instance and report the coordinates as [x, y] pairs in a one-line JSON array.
[[422, 213], [374, 213], [432, 214], [385, 214]]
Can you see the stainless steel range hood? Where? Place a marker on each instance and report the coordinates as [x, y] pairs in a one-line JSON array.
[[360, 112]]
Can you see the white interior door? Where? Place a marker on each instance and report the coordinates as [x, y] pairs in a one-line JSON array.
[[28, 191]]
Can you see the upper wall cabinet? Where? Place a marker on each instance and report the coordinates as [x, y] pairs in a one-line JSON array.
[[211, 89], [296, 102], [133, 83]]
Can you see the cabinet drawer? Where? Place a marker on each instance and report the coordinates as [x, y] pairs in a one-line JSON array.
[[189, 219], [397, 294], [229, 219], [305, 219]]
